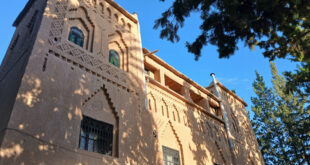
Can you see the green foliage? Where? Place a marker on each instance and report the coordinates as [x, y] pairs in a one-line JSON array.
[[300, 80], [281, 121], [280, 27]]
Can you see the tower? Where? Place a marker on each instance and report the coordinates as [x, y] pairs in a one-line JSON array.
[[76, 87], [72, 65]]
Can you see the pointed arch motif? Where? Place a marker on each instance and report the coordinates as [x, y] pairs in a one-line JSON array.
[[116, 17], [123, 22], [186, 118], [109, 13], [114, 112], [178, 141], [173, 115], [162, 110], [87, 22], [129, 26], [152, 102], [165, 107], [177, 113], [101, 7], [116, 41]]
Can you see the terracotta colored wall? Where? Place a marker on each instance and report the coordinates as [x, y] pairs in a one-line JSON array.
[[62, 82]]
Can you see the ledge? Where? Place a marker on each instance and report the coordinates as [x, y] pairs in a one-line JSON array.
[[201, 109], [179, 74], [230, 92], [122, 10]]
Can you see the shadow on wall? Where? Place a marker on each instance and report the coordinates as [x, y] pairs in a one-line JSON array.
[[57, 90], [45, 123], [209, 138], [67, 82]]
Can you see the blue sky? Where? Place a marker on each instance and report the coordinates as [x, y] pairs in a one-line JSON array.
[[237, 72]]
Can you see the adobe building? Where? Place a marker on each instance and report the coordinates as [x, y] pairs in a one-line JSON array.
[[77, 88]]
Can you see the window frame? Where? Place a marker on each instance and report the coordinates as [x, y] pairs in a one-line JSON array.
[[78, 34], [117, 54], [166, 151], [92, 136]]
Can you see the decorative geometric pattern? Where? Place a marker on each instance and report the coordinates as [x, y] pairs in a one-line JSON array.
[[58, 22], [84, 59]]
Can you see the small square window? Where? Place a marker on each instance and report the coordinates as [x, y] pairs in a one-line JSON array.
[[171, 156], [96, 136]]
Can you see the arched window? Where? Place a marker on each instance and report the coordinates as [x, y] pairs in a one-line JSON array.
[[114, 58], [76, 36]]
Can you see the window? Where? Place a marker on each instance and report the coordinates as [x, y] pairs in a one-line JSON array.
[[173, 85], [96, 136], [114, 58], [76, 36], [171, 156], [147, 71], [152, 72]]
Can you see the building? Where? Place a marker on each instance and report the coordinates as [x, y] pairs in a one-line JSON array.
[[76, 87]]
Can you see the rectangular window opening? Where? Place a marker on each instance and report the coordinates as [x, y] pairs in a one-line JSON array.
[[171, 156], [152, 72], [173, 85], [196, 98], [215, 110], [96, 136]]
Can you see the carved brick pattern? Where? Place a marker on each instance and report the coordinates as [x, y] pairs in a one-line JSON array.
[[161, 124], [164, 95], [85, 60], [58, 22], [116, 94], [87, 3], [213, 129], [91, 96], [221, 152], [110, 79], [179, 142], [160, 95]]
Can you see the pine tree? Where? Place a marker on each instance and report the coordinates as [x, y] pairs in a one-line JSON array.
[[281, 121]]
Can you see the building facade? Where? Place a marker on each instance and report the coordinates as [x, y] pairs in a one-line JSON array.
[[76, 87]]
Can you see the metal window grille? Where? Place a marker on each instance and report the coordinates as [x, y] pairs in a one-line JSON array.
[[96, 136], [171, 156]]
